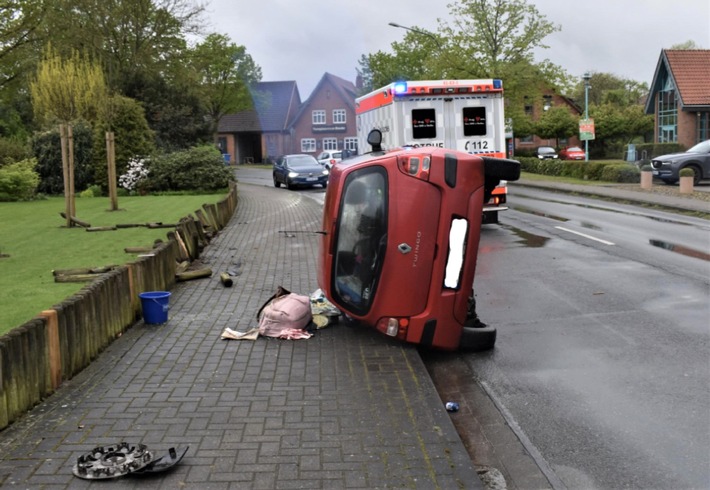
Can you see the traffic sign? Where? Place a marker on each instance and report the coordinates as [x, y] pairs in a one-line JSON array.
[[586, 129]]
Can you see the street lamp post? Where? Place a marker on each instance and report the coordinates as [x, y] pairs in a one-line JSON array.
[[586, 77], [418, 31]]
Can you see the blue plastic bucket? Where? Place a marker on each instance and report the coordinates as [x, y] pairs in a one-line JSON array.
[[155, 306]]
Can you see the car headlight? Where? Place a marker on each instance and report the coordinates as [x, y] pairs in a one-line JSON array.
[[293, 174]]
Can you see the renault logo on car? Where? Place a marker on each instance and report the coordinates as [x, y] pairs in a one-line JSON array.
[[404, 248]]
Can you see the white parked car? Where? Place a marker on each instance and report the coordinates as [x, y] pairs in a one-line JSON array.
[[330, 158]]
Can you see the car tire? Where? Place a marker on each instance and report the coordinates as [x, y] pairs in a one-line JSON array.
[[669, 181], [696, 174], [501, 168], [277, 184], [289, 185], [478, 339], [490, 218], [325, 185]]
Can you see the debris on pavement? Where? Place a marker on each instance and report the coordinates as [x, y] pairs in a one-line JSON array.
[[106, 462], [324, 312], [452, 407], [229, 334]]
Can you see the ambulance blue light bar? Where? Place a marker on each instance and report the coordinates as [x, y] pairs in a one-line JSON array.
[[400, 87], [497, 83]]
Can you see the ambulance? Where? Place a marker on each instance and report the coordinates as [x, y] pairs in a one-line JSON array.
[[462, 115]]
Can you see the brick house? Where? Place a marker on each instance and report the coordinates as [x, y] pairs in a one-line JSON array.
[[679, 97], [326, 121], [535, 108], [280, 123]]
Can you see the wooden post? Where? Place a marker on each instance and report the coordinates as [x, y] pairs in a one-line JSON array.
[[55, 353], [72, 193], [65, 170], [112, 179]]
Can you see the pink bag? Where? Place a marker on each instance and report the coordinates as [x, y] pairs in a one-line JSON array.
[[285, 315]]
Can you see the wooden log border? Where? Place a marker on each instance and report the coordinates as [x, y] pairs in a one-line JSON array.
[[38, 356]]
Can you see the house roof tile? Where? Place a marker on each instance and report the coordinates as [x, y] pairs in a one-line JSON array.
[[690, 69]]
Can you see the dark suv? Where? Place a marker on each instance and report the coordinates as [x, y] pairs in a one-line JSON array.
[[668, 167]]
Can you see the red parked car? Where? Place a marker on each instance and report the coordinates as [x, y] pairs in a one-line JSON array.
[[400, 241], [572, 153]]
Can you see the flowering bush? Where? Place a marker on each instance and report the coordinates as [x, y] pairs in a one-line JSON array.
[[136, 173]]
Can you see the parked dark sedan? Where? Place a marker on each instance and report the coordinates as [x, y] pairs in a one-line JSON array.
[[668, 167], [299, 170], [546, 152]]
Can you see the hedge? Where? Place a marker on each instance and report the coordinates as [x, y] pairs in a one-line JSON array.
[[608, 170]]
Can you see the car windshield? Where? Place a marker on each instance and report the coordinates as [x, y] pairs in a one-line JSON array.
[[703, 147], [574, 148], [545, 149], [361, 238], [302, 161]]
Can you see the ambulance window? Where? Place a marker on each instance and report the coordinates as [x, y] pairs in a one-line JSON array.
[[474, 121], [423, 123]]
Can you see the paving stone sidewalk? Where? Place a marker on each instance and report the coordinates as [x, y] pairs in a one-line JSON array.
[[346, 409]]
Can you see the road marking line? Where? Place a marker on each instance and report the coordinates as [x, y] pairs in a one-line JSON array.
[[585, 235]]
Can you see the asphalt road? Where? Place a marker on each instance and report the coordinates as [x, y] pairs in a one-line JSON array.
[[602, 357]]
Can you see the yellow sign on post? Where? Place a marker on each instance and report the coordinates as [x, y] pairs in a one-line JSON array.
[[586, 129]]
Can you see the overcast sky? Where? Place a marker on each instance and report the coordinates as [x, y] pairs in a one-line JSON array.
[[302, 39]]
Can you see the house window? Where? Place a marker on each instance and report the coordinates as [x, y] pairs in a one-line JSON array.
[[667, 113], [318, 117], [222, 144], [528, 108], [350, 144], [703, 126], [339, 116], [308, 145], [546, 102], [527, 139], [330, 144]]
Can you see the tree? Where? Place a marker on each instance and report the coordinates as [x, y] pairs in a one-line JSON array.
[[690, 44], [556, 122], [609, 88], [128, 36], [487, 39], [494, 34], [124, 117], [19, 30], [225, 71], [65, 91]]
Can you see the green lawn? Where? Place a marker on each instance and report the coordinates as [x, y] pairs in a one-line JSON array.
[[37, 241]]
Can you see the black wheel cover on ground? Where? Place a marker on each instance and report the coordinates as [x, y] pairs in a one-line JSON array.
[[105, 462]]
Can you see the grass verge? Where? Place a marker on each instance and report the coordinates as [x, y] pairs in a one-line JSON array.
[[34, 241]]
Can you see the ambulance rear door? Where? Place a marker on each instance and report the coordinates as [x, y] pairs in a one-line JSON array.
[[423, 121], [475, 124]]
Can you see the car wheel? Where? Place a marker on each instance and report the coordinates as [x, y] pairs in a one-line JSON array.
[[289, 185], [696, 174], [276, 182], [669, 181], [490, 218], [478, 339], [324, 184], [501, 168]]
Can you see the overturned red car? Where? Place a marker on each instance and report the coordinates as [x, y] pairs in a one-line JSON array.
[[400, 241]]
